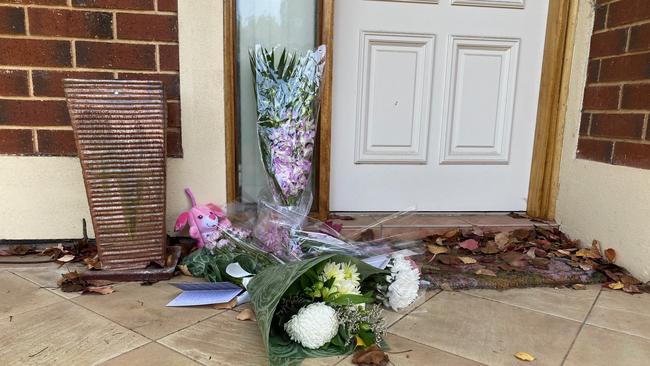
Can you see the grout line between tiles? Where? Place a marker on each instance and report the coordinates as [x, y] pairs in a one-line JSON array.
[[125, 352], [582, 325], [437, 349], [523, 307], [173, 350]]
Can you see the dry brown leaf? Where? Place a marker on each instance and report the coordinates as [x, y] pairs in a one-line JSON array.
[[99, 283], [501, 240], [371, 356], [467, 260], [451, 233], [448, 259], [490, 248], [515, 259], [446, 286], [485, 272], [579, 286], [531, 253], [437, 249], [524, 356], [246, 314], [469, 244], [564, 252], [610, 255], [226, 305], [102, 290], [595, 249], [184, 270], [616, 285], [521, 234], [93, 263], [66, 258]]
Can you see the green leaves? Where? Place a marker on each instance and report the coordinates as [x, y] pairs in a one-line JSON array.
[[350, 299]]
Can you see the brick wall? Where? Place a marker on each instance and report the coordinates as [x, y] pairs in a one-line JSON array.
[[44, 41], [614, 127]]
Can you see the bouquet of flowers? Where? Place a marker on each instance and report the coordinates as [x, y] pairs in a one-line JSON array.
[[328, 305], [287, 93]]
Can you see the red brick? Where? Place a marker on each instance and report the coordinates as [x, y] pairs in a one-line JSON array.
[[601, 97], [33, 112], [70, 23], [50, 83], [35, 2], [168, 57], [636, 96], [116, 55], [174, 145], [585, 120], [173, 114], [168, 5], [593, 69], [147, 27], [56, 142], [608, 43], [32, 52], [596, 150], [617, 125], [16, 141], [170, 82], [600, 17], [640, 38], [627, 11], [625, 68], [12, 20], [632, 154], [115, 4], [14, 83]]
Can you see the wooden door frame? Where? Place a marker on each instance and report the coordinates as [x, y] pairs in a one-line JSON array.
[[325, 21], [547, 148]]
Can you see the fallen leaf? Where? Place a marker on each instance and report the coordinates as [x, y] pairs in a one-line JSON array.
[[490, 248], [595, 249], [4, 253], [485, 272], [579, 286], [446, 287], [477, 231], [515, 259], [628, 280], [525, 356], [102, 290], [437, 249], [522, 234], [448, 259], [531, 253], [93, 263], [467, 260], [99, 283], [632, 289], [66, 258], [516, 215], [501, 240], [371, 356], [587, 253], [469, 244], [246, 314], [20, 249], [564, 252], [226, 305], [184, 270], [616, 285], [610, 255], [451, 233]]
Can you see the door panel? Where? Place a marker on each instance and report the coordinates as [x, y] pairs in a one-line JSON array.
[[434, 103]]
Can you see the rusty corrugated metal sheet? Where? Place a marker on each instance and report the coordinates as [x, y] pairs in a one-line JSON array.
[[119, 128]]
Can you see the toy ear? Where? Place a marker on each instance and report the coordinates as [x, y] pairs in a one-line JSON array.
[[181, 221], [194, 232], [216, 209]]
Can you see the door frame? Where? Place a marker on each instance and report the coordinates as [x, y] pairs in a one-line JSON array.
[[549, 130]]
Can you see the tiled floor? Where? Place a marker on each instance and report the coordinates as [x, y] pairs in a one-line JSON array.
[[39, 325]]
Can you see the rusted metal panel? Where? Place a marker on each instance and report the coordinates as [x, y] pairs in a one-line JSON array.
[[119, 128]]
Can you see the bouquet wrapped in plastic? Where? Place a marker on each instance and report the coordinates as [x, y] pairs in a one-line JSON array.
[[287, 90], [328, 305]]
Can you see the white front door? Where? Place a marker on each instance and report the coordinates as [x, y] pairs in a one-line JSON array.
[[434, 103]]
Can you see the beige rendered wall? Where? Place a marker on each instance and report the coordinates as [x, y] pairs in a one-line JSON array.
[[601, 201], [44, 197]]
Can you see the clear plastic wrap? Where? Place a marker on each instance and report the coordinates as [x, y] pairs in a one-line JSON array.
[[287, 91]]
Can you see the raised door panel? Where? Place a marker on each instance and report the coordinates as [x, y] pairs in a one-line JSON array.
[[517, 4], [395, 81], [479, 92]]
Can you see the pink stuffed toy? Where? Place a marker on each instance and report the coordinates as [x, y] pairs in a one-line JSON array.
[[206, 223]]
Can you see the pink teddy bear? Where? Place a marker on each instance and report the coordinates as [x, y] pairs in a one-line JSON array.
[[206, 223]]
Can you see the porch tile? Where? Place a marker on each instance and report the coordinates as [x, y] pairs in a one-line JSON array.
[[17, 296], [499, 220], [411, 233], [487, 331], [563, 302], [418, 354], [601, 347], [142, 309], [358, 221], [151, 354], [392, 316], [47, 277], [426, 220], [63, 334], [220, 340], [622, 312]]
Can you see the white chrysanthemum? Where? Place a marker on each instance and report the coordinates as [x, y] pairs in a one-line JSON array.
[[313, 326], [332, 269], [350, 271], [348, 287], [404, 282]]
